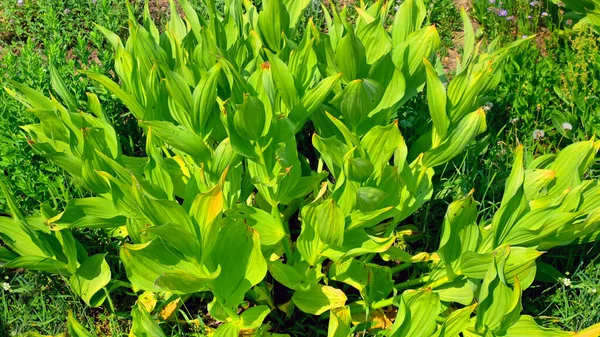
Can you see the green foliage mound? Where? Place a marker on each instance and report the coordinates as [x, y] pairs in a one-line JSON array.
[[227, 201]]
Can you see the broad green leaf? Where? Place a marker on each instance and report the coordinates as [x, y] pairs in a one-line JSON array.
[[369, 199], [460, 232], [377, 42], [75, 328], [436, 100], [520, 263], [330, 223], [252, 318], [311, 100], [359, 169], [357, 99], [204, 98], [144, 325], [357, 242], [537, 182], [295, 8], [250, 119], [469, 38], [39, 263], [32, 98], [466, 131], [273, 22], [460, 290], [284, 80], [526, 326], [181, 139], [309, 243], [571, 163], [380, 143], [13, 235], [240, 271], [93, 212], [205, 210], [61, 89], [112, 38], [423, 307], [455, 323], [271, 230], [146, 263], [340, 323], [130, 102], [499, 305], [332, 152], [290, 276], [93, 275], [408, 19], [319, 299], [350, 57]]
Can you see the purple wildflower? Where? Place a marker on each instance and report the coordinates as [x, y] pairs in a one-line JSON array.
[[67, 11], [544, 14], [502, 12]]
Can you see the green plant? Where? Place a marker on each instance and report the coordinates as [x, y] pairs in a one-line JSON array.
[[224, 203], [583, 13]]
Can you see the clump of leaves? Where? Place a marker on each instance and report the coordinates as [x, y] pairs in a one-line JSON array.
[[217, 203]]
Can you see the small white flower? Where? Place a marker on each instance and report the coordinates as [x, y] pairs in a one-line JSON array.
[[594, 290], [514, 120], [20, 3], [567, 273], [538, 134], [567, 282], [567, 126], [6, 286], [488, 106]]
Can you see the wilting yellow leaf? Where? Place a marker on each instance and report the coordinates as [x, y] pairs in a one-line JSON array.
[[148, 299], [167, 313]]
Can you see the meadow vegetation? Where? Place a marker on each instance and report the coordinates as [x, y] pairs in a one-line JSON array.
[[299, 168]]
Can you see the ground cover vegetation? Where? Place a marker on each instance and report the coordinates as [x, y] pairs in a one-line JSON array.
[[301, 168]]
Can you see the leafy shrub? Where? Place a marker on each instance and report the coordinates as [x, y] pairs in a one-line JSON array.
[[582, 13], [224, 201]]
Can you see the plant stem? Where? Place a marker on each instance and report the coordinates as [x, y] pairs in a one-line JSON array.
[[400, 286], [111, 305], [286, 240], [411, 283], [401, 267], [230, 312], [290, 210], [383, 303]]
